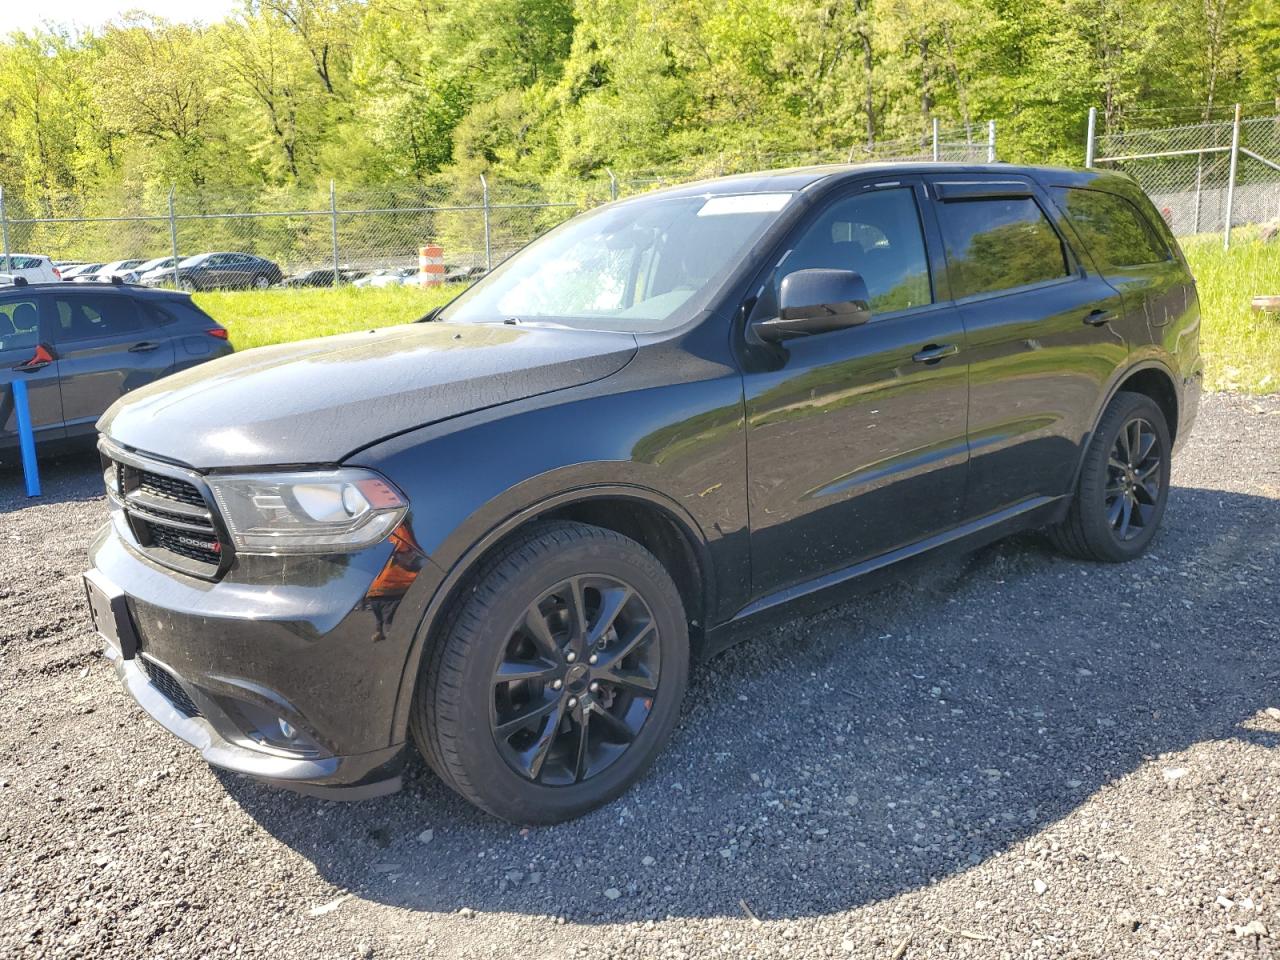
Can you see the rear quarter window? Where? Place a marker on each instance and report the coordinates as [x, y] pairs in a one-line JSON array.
[[23, 263], [1113, 229], [173, 311]]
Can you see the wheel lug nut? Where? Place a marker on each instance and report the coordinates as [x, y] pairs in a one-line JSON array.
[[573, 702], [592, 659], [595, 688], [557, 684], [570, 656]]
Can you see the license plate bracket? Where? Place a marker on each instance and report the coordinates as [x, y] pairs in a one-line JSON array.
[[110, 612]]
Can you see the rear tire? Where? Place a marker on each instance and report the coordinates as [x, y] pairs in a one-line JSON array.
[[557, 677], [1123, 487]]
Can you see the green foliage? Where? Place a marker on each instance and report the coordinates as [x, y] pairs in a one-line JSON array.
[[292, 93], [1241, 347], [256, 318]]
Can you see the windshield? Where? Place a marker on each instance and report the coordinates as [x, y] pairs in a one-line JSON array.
[[640, 267]]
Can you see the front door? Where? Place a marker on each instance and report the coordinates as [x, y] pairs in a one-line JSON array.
[[25, 356], [1044, 335], [106, 347], [856, 438]]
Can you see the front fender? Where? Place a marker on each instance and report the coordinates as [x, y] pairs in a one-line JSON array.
[[473, 480]]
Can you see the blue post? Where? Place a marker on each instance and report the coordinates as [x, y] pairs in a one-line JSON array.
[[26, 438]]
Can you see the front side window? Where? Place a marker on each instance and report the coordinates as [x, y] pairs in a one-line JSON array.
[[996, 244], [876, 234], [640, 267], [19, 325], [90, 317], [1113, 230]]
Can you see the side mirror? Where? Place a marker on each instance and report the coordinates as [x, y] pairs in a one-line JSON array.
[[817, 301]]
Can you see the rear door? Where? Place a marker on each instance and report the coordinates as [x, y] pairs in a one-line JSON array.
[[106, 347], [1123, 244], [21, 359], [1044, 334]]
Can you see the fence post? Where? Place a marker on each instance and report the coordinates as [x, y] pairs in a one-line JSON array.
[[613, 184], [333, 227], [4, 229], [1231, 178], [1091, 138], [937, 147], [173, 236], [1195, 222], [991, 141], [488, 247]]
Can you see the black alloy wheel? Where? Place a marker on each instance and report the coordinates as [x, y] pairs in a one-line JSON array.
[[577, 680], [1123, 487], [557, 675], [1133, 479]]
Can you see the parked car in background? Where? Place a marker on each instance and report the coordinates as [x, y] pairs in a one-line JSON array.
[[217, 271], [133, 274], [321, 277], [107, 272], [457, 274], [80, 348], [390, 277], [31, 267], [505, 531], [70, 273]]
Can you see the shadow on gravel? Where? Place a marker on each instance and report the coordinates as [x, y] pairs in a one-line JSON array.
[[872, 749]]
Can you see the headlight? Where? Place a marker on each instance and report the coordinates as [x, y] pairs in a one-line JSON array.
[[325, 511]]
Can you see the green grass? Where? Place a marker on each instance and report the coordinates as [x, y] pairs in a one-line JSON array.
[[1241, 348], [260, 317]]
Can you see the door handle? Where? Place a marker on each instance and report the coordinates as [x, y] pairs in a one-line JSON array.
[[1096, 318], [935, 352], [145, 347], [39, 360]]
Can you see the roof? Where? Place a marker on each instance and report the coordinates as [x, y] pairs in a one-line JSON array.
[[64, 287], [803, 178]]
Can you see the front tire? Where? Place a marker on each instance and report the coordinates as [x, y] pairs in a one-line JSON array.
[[558, 676], [1124, 484]]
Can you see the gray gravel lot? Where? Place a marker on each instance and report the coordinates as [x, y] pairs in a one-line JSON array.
[[1014, 755]]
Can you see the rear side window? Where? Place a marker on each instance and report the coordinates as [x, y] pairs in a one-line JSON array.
[[89, 317], [1113, 229], [999, 244], [19, 324]]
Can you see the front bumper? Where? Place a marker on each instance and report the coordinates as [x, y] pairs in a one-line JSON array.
[[357, 777], [308, 643]]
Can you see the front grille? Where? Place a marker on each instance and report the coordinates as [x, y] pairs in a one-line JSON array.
[[205, 550], [169, 488], [168, 516], [170, 688]]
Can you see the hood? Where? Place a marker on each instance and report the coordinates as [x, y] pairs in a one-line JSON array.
[[316, 401]]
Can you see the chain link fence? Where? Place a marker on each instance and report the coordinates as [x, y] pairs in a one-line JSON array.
[[1203, 177], [348, 233]]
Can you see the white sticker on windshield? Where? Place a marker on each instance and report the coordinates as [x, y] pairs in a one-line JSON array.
[[744, 203]]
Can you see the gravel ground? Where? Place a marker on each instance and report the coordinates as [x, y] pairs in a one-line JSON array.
[[1013, 756]]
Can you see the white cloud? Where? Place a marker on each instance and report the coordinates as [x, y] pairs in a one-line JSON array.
[[93, 13]]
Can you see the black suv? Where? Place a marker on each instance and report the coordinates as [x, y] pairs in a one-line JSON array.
[[80, 347], [505, 531]]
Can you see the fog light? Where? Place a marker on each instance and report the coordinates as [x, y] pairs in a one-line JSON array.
[[286, 729]]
